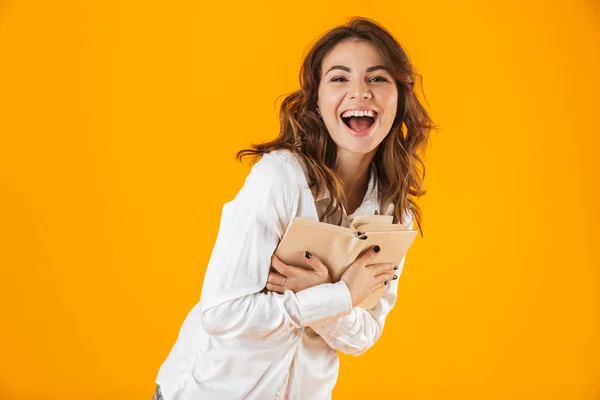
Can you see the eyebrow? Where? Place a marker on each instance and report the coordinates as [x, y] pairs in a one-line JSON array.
[[344, 68]]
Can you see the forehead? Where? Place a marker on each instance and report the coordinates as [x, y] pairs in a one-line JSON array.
[[358, 55]]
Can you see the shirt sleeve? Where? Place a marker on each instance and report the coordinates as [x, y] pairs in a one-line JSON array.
[[357, 331], [232, 303]]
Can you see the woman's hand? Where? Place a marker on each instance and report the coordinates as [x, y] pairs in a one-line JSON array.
[[296, 278], [363, 278]]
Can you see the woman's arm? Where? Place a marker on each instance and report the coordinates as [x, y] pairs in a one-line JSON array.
[[252, 225], [357, 332]]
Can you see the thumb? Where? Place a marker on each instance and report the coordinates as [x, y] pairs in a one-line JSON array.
[[315, 263], [370, 254]]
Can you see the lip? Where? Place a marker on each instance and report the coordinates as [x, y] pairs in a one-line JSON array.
[[364, 133]]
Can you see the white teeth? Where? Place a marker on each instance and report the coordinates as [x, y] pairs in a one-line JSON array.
[[362, 113]]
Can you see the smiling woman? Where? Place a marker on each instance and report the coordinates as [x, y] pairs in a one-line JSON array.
[[357, 83], [347, 147]]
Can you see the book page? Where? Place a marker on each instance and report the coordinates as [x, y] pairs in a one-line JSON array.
[[378, 219]]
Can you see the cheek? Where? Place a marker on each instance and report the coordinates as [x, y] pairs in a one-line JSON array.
[[393, 107], [391, 102], [328, 97], [329, 105]]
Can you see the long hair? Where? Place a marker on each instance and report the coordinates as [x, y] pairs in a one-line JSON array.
[[396, 160]]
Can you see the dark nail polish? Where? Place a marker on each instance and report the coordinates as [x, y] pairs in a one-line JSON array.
[[386, 282], [395, 276], [376, 249], [396, 267], [307, 255]]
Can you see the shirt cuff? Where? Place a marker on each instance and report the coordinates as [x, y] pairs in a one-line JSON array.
[[324, 301], [335, 327]]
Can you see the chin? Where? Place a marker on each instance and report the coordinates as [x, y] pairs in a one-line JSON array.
[[363, 147], [358, 145]]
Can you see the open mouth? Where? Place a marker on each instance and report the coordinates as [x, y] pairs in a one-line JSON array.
[[359, 123]]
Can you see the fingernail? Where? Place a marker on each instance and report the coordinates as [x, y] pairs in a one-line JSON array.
[[395, 276], [386, 282], [307, 255], [376, 249], [396, 267]]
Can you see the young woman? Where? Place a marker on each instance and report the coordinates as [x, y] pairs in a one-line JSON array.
[[347, 147]]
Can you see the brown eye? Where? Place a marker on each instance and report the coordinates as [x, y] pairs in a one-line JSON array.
[[381, 79]]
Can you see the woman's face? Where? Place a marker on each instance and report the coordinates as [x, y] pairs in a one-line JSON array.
[[353, 79]]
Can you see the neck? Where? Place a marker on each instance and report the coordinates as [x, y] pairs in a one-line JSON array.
[[353, 170]]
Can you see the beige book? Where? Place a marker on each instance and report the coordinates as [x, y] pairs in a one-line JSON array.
[[337, 247]]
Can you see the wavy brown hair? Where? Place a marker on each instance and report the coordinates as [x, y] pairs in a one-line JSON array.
[[396, 160]]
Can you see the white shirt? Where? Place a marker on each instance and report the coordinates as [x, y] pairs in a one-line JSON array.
[[239, 343]]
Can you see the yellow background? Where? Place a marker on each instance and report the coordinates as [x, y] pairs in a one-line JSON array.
[[119, 121]]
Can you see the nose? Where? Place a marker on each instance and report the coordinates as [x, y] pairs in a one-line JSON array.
[[360, 90]]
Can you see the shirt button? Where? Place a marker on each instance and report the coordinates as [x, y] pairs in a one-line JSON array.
[[299, 332]]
